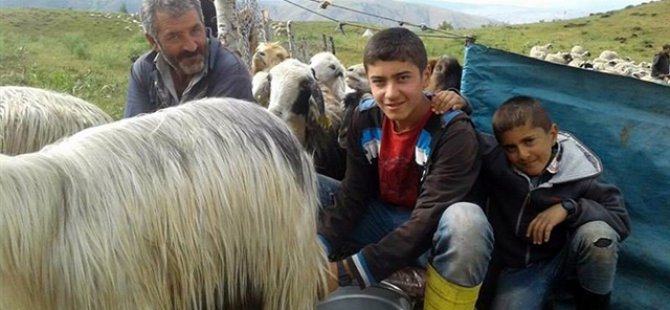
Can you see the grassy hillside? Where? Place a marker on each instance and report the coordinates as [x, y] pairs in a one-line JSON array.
[[89, 54], [84, 54]]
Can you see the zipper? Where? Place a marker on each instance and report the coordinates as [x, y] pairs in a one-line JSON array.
[[526, 202]]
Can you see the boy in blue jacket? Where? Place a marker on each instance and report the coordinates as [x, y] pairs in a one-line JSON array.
[[551, 214]]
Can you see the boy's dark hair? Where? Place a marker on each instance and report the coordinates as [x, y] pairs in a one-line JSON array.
[[519, 111], [396, 44], [666, 46]]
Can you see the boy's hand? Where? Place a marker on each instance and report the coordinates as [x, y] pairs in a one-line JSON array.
[[540, 227], [446, 100], [332, 277]]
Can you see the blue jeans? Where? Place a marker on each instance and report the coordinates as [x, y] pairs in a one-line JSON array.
[[462, 243], [592, 255]]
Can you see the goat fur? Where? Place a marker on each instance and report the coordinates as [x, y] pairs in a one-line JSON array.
[[31, 118], [210, 204]]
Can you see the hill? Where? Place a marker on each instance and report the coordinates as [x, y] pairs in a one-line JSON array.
[[431, 16], [89, 54]]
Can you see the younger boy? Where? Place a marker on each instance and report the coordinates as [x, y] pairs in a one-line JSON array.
[[406, 190], [551, 214]]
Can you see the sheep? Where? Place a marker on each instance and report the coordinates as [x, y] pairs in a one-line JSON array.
[[210, 204], [260, 88], [562, 58], [540, 51], [31, 118], [268, 55], [329, 72], [313, 114], [608, 55], [579, 51], [445, 75], [358, 89], [356, 79]]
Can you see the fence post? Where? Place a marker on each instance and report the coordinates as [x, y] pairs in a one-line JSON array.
[[332, 45], [291, 43]]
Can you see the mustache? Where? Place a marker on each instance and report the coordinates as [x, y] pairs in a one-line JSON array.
[[186, 54]]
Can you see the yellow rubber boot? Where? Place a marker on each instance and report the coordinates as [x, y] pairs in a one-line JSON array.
[[444, 295]]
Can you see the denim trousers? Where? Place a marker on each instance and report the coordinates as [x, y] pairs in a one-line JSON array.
[[462, 243], [591, 256]]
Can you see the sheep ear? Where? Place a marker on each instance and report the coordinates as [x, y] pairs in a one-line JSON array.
[[314, 74], [317, 109]]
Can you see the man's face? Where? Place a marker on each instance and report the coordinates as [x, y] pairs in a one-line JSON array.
[[529, 148], [181, 41], [397, 86]]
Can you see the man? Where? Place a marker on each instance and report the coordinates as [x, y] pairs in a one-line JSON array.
[[660, 67], [406, 196], [186, 63]]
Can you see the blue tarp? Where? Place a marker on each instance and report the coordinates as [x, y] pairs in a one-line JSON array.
[[626, 122]]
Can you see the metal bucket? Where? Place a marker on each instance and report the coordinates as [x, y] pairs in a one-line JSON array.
[[371, 298]]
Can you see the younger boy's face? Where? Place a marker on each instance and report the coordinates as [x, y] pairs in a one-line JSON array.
[[397, 86], [529, 148]]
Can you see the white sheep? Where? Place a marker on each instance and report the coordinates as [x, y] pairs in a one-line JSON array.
[[312, 112], [356, 79], [31, 118], [329, 71], [260, 88], [540, 51], [210, 204], [562, 58], [267, 55]]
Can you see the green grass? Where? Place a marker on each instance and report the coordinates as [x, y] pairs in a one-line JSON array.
[[85, 54], [88, 54]]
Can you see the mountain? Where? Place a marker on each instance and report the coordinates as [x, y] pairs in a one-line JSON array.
[[531, 12], [413, 13]]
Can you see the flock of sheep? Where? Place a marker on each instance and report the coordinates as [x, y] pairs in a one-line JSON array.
[[608, 61]]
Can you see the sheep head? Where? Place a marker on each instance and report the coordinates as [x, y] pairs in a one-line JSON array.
[[260, 88], [268, 55], [357, 79], [329, 72], [446, 74], [295, 97]]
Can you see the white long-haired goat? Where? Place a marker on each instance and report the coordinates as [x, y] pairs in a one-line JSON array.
[[314, 116], [210, 204], [31, 118]]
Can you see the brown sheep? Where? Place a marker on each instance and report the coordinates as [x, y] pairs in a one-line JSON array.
[[268, 55]]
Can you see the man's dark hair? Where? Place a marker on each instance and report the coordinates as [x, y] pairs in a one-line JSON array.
[[519, 111], [666, 46], [396, 44]]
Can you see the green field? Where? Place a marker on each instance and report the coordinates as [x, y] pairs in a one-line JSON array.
[[88, 54]]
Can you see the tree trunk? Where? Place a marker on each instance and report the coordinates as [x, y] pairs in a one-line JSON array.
[[228, 26]]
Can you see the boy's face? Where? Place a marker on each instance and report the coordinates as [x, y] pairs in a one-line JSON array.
[[398, 89], [529, 148]]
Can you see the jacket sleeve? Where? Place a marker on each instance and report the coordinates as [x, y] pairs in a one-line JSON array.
[[454, 169], [356, 191], [601, 202], [137, 101]]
